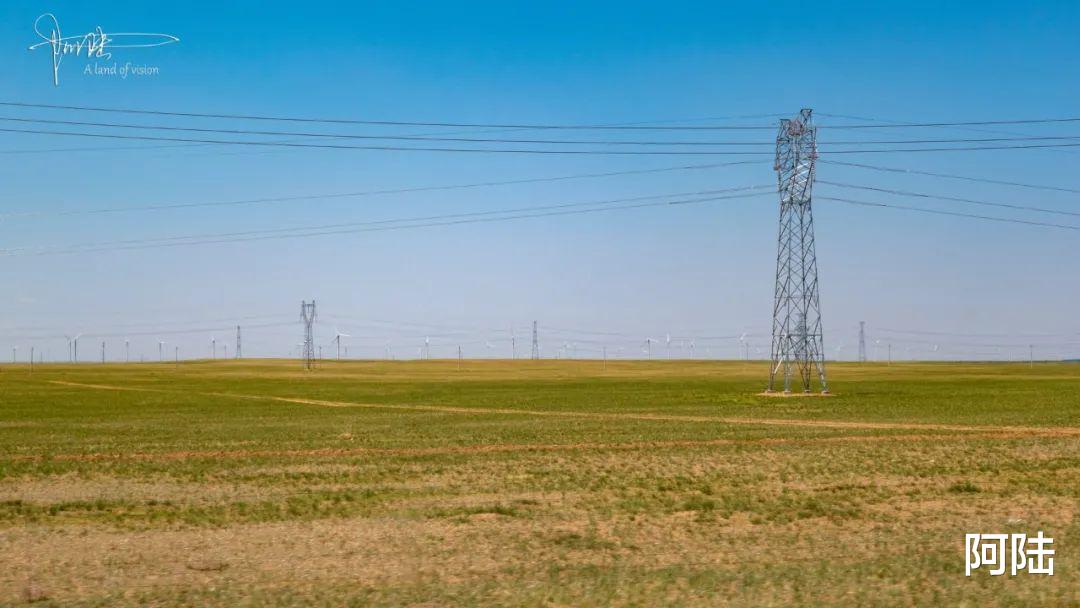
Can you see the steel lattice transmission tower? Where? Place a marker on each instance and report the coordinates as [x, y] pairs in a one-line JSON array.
[[862, 341], [535, 343], [307, 315], [797, 345]]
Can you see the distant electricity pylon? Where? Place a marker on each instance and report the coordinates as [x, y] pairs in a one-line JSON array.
[[862, 341], [535, 343], [307, 315], [238, 351], [797, 344]]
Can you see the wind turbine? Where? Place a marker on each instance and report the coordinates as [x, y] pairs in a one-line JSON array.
[[692, 348], [14, 350], [160, 350], [213, 348], [427, 347], [337, 338], [127, 351], [667, 339], [73, 353], [744, 346]]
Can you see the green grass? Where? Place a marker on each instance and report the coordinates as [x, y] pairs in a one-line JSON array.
[[530, 483]]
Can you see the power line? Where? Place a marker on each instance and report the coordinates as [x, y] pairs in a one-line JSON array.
[[971, 123], [279, 234], [158, 332], [951, 127], [953, 140], [396, 148], [515, 150], [280, 199], [947, 198], [457, 329], [440, 133], [394, 137], [950, 149], [950, 176], [396, 122], [513, 125], [308, 134], [980, 344], [588, 332], [971, 335], [185, 331], [416, 219], [160, 323], [101, 149], [950, 213]]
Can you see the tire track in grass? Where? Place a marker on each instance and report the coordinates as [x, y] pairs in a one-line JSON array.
[[732, 420]]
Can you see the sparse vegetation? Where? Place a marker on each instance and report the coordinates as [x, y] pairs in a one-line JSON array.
[[529, 483]]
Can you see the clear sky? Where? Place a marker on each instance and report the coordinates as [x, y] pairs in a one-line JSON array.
[[702, 271]]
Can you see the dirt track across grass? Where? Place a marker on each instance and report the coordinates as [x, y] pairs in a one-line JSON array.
[[838, 424], [536, 484]]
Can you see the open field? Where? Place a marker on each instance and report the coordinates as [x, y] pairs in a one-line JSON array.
[[551, 483]]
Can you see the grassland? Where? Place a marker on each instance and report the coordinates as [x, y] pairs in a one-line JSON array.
[[528, 483]]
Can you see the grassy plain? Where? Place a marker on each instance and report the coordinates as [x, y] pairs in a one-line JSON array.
[[522, 483]]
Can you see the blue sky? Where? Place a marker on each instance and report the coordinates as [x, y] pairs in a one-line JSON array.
[[692, 271]]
